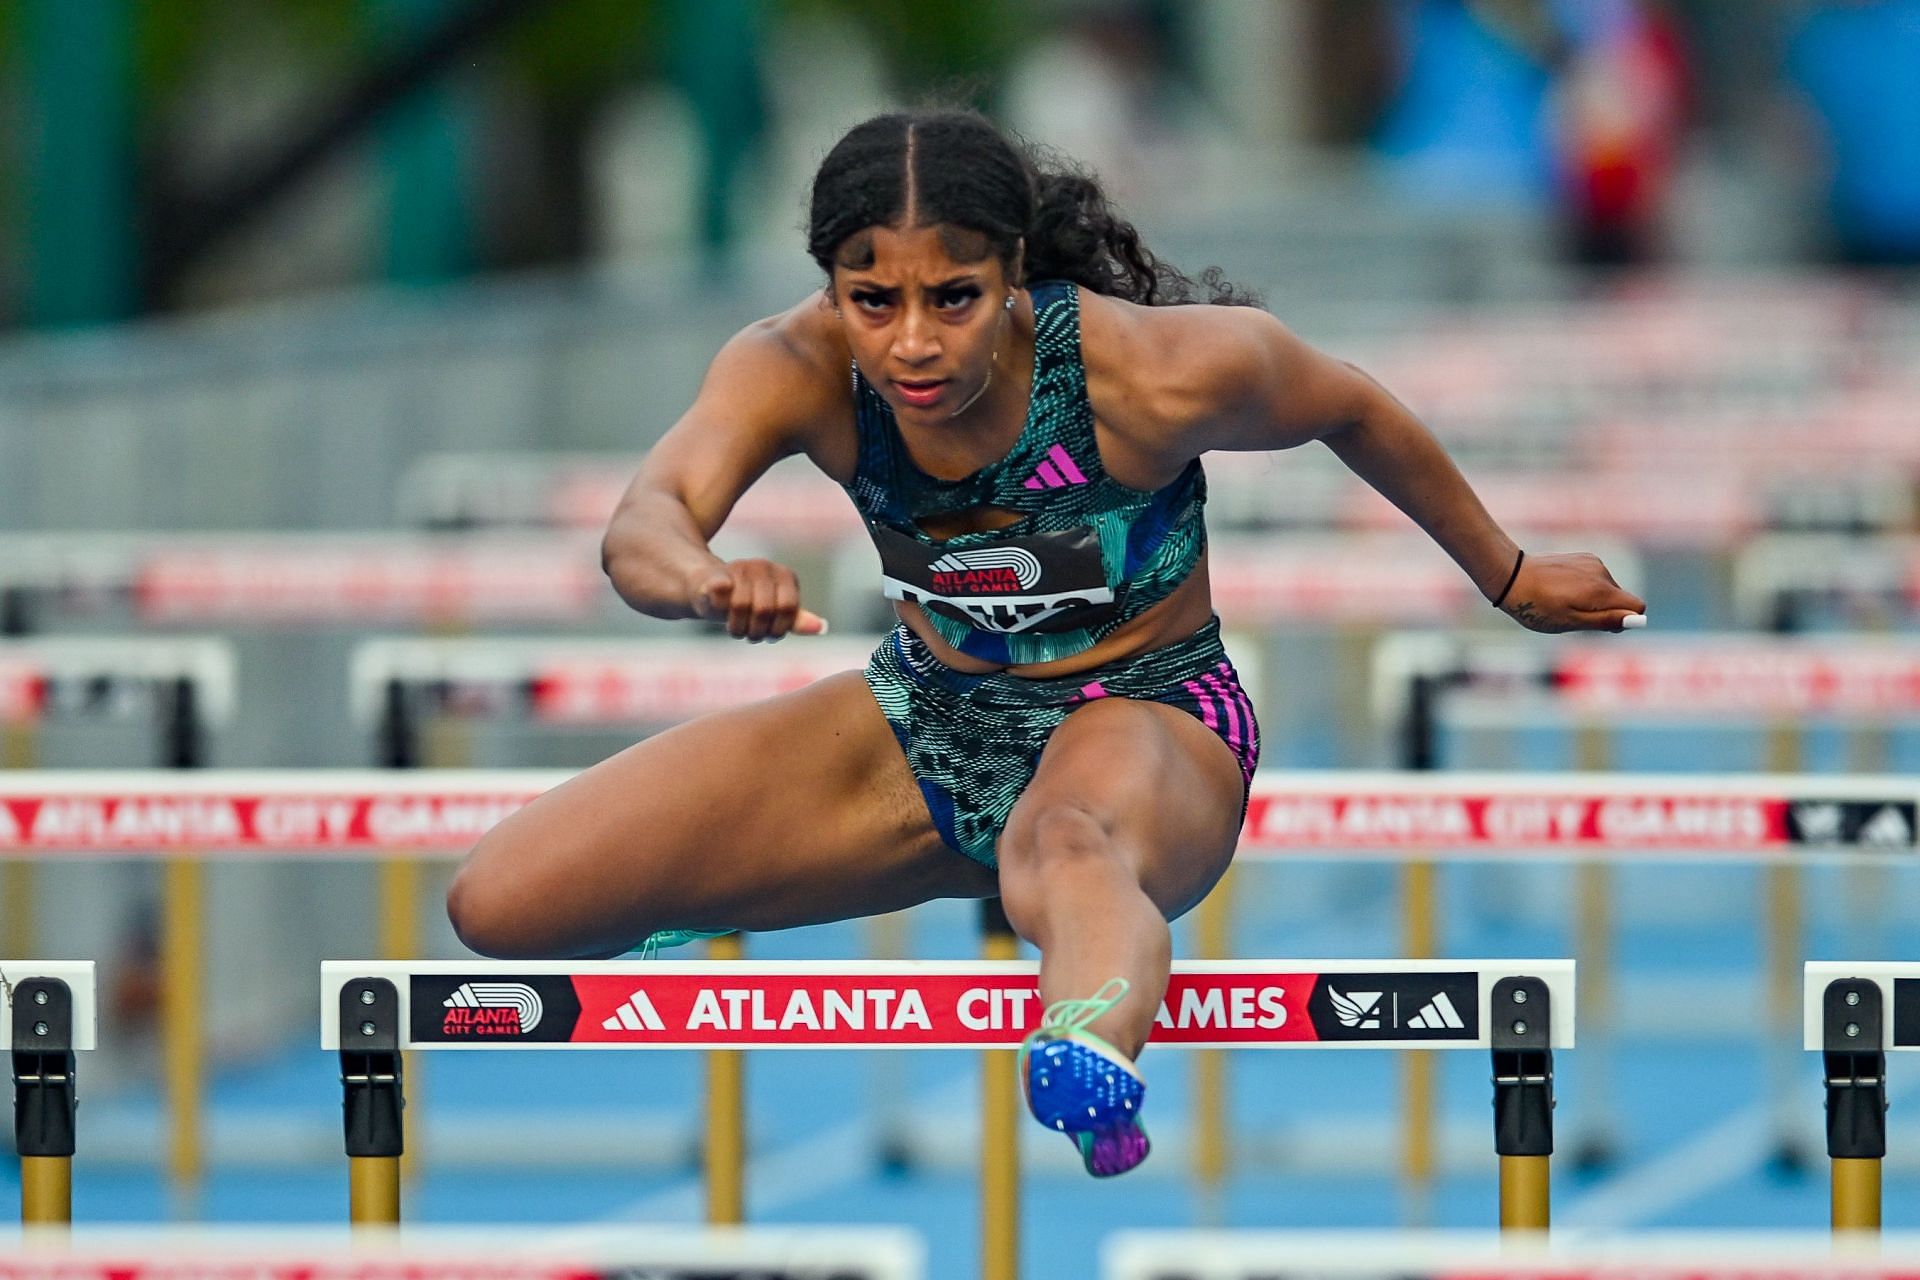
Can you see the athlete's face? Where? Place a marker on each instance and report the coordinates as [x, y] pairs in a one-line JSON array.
[[924, 315]]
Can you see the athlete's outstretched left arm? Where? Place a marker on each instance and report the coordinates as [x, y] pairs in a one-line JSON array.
[[1273, 391]]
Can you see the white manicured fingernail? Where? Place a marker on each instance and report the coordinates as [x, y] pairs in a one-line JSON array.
[[1634, 622], [823, 628]]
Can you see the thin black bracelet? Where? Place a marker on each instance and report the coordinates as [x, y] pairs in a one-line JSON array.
[[1511, 579]]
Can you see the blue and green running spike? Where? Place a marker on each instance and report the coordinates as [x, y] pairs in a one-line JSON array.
[[1078, 1084]]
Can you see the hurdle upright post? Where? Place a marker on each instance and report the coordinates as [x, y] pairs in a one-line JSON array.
[[397, 746], [726, 1162], [1855, 1060], [44, 1099], [182, 963], [999, 1124], [371, 1078], [1522, 1038], [1212, 1151], [1419, 937]]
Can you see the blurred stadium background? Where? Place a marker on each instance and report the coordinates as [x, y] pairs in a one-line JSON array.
[[1648, 269]]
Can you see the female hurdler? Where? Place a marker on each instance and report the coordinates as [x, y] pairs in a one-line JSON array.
[[1013, 394]]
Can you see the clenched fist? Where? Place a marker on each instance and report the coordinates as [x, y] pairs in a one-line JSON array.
[[1572, 592], [757, 600]]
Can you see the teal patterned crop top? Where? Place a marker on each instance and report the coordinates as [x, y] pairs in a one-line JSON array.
[[1087, 554]]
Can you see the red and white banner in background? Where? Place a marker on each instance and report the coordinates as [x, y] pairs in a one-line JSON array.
[[787, 506], [480, 581], [1276, 581], [424, 822], [1766, 677], [23, 694], [1280, 821], [668, 687], [369, 813]]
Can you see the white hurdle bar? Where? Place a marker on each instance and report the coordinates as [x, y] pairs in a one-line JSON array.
[[1854, 1014], [50, 1008], [372, 1011]]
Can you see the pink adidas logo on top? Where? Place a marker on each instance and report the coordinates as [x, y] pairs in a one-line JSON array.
[[1059, 472]]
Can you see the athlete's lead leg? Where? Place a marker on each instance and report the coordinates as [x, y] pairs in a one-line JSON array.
[[1131, 818]]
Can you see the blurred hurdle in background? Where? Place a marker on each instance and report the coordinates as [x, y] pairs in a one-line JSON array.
[[1425, 684], [1592, 818], [438, 814], [184, 687], [47, 1014], [1519, 1010]]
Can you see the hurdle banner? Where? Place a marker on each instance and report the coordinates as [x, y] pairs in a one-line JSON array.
[[349, 813], [1581, 815], [50, 1008], [378, 813], [927, 1005], [448, 1253]]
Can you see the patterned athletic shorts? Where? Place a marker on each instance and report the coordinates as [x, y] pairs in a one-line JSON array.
[[974, 741]]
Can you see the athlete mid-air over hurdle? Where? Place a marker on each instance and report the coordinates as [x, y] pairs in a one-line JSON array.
[[1015, 394]]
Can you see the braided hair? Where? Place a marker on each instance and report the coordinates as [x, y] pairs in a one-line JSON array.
[[954, 170]]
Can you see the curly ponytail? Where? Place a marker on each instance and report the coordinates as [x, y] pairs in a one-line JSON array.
[[954, 169]]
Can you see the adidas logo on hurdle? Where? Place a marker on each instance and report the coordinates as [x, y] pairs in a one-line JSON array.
[[637, 1014], [1436, 1014]]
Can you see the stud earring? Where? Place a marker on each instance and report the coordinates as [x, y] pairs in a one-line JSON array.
[[1010, 301]]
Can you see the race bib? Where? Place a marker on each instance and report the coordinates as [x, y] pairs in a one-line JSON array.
[[1042, 582]]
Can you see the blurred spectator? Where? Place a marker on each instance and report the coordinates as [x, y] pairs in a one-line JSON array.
[[1466, 122], [1619, 109], [1581, 102], [1858, 65]]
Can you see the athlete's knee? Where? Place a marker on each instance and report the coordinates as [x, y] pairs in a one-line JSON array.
[[1057, 835], [1061, 855], [488, 916]]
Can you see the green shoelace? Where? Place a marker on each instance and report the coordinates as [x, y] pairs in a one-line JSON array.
[[654, 943], [1064, 1017]]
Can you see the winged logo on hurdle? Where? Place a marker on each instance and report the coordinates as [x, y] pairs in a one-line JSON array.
[[1356, 1008]]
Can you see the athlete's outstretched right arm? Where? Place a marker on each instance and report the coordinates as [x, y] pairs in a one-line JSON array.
[[759, 401]]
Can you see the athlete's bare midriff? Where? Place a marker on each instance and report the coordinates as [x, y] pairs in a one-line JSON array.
[[1175, 618]]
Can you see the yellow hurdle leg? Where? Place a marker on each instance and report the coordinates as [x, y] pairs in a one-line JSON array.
[[1419, 935], [1212, 1149], [1000, 1142], [373, 1191], [46, 1191], [1856, 1195], [726, 1171], [183, 1023]]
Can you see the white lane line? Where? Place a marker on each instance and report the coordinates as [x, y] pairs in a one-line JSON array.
[[1726, 1151], [1731, 1149]]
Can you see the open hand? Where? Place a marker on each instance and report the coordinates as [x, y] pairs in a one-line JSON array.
[[1572, 592], [757, 600]]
